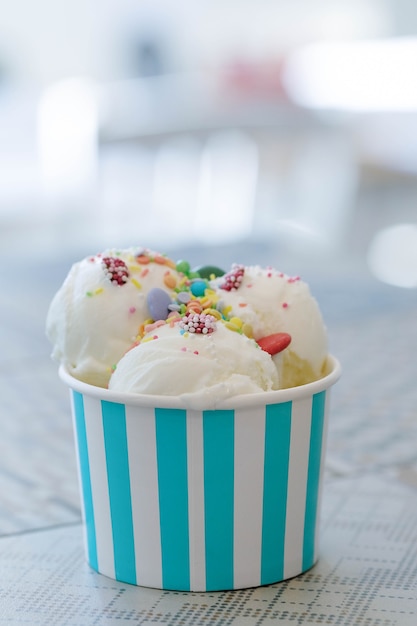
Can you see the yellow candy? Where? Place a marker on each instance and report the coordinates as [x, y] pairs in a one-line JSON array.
[[136, 283], [233, 327], [213, 312], [236, 321]]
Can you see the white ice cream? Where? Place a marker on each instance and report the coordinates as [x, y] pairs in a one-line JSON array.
[[91, 321], [272, 302], [202, 369]]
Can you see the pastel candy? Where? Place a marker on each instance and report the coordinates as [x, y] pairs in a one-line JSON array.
[[158, 302], [198, 288], [277, 342]]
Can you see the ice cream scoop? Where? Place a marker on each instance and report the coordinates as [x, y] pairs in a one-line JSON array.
[[272, 302], [94, 317], [204, 364]]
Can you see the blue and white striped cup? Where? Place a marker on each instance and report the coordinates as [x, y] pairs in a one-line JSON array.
[[181, 499]]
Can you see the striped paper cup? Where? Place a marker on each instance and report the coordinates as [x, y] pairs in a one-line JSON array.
[[182, 499]]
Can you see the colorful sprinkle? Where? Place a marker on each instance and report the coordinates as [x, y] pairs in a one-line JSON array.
[[169, 280], [143, 259], [150, 327], [115, 270], [233, 279], [198, 323], [136, 283]]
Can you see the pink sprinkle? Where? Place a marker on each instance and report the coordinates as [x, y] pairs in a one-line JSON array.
[[150, 327], [195, 351], [132, 309], [183, 349], [285, 305], [269, 274], [144, 272]]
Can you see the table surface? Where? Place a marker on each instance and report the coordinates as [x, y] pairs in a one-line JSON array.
[[367, 571]]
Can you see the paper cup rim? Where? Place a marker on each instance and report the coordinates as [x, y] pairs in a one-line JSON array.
[[247, 400]]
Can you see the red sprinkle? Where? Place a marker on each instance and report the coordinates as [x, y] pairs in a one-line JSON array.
[[115, 270], [274, 343], [233, 279]]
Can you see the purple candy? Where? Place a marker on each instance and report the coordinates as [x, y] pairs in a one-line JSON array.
[[158, 301]]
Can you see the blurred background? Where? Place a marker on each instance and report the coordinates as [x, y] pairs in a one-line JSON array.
[[276, 131]]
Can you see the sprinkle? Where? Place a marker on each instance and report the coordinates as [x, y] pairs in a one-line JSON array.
[[285, 305], [243, 304], [169, 280], [115, 270], [198, 323], [143, 259], [132, 309], [136, 283], [194, 306], [150, 327], [231, 326], [207, 302], [233, 279], [195, 352], [149, 339], [98, 291], [213, 312], [173, 318], [144, 272], [89, 294]]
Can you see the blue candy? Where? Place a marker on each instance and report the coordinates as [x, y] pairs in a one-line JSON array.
[[198, 288]]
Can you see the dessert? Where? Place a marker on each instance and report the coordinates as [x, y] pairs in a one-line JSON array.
[[94, 317], [170, 360], [136, 322], [198, 470], [271, 302]]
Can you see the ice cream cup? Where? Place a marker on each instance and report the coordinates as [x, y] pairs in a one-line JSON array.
[[182, 499]]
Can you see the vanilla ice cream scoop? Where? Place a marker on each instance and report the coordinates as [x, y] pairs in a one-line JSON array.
[[271, 302], [201, 367], [96, 314]]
